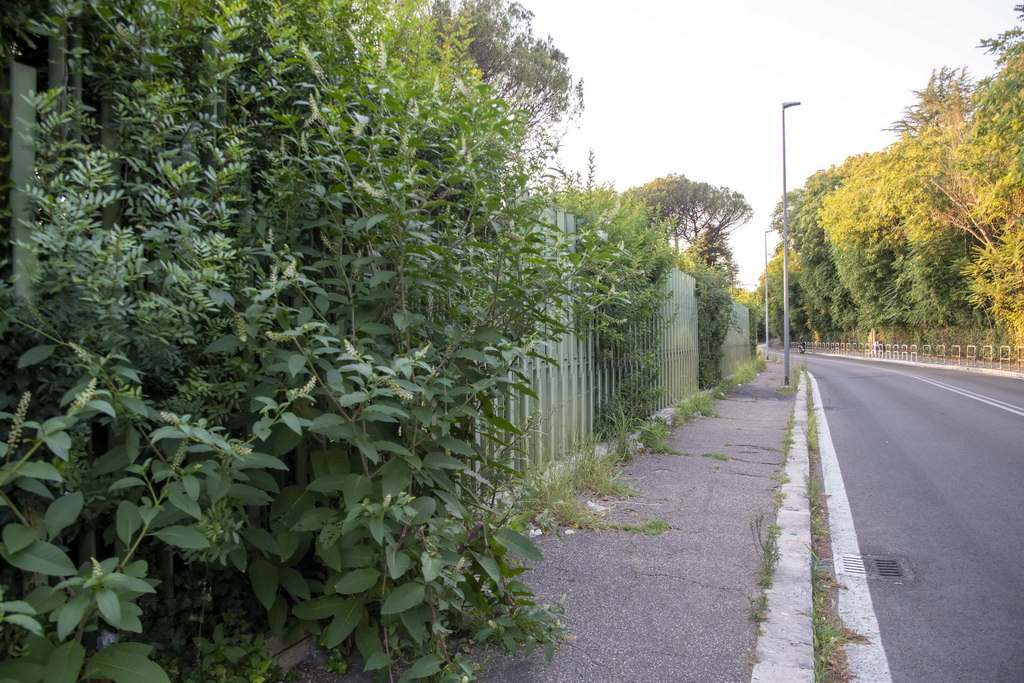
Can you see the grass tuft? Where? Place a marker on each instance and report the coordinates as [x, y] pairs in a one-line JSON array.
[[651, 527], [700, 404], [716, 456], [557, 493]]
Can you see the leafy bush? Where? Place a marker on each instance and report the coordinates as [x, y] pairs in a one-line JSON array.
[[284, 263]]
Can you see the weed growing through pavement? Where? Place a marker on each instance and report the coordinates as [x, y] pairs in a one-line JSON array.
[[812, 424], [557, 492], [766, 541], [700, 404], [651, 527], [758, 610], [745, 373], [829, 633], [794, 380], [654, 436], [716, 456], [621, 436]]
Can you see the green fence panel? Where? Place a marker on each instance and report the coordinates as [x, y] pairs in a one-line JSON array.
[[737, 342]]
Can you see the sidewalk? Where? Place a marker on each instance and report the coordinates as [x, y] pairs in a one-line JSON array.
[[672, 607]]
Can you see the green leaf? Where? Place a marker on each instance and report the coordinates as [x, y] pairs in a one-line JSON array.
[[378, 660], [63, 512], [357, 581], [331, 483], [294, 582], [404, 597], [442, 461], [292, 421], [184, 503], [43, 558], [489, 566], [346, 617], [427, 665], [110, 606], [18, 671], [502, 423], [37, 469], [398, 562], [36, 354], [25, 621], [332, 426], [125, 483], [135, 405], [59, 444], [126, 663], [128, 520], [69, 615], [432, 566], [425, 508], [455, 445], [395, 478], [102, 407], [18, 537], [295, 363], [263, 576], [318, 608], [185, 537], [353, 398], [519, 544]]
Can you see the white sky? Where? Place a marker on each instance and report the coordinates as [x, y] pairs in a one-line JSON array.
[[696, 86]]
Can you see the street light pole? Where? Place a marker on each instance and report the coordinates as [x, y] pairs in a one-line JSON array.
[[785, 247], [766, 340]]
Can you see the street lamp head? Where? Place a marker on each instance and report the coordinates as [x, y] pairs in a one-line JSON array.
[[787, 105]]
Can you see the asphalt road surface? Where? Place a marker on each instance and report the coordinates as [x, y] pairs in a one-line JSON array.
[[933, 462]]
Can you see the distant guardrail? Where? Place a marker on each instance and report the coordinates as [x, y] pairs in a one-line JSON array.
[[965, 355]]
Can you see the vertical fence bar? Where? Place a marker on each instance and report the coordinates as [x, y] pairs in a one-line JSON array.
[[23, 161]]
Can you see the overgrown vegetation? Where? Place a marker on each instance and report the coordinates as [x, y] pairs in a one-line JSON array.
[[556, 495], [278, 266], [274, 272]]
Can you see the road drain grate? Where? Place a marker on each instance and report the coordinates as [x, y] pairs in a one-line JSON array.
[[871, 567], [850, 565], [888, 568]]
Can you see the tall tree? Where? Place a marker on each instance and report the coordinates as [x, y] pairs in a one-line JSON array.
[[700, 216], [998, 272], [527, 70], [824, 300]]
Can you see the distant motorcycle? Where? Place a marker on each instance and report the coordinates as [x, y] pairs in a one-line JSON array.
[[801, 347]]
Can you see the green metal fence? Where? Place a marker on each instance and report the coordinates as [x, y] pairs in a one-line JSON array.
[[571, 391], [737, 347]]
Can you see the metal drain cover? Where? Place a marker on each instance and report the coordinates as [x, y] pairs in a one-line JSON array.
[[872, 567]]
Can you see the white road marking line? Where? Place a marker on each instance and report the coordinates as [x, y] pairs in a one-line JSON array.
[[1008, 407], [1002, 405], [867, 662]]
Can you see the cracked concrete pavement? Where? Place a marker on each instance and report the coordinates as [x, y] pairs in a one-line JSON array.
[[676, 606]]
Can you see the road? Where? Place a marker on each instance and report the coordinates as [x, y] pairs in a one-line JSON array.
[[933, 462]]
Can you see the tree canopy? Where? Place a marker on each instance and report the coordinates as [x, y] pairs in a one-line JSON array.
[[924, 238], [529, 71], [700, 216]]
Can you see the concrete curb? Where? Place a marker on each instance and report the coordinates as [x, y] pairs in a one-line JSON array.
[[785, 649]]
